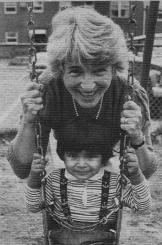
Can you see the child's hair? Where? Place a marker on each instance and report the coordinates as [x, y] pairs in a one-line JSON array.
[[85, 36], [81, 135]]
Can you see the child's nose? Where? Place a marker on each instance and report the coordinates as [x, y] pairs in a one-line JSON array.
[[82, 163]]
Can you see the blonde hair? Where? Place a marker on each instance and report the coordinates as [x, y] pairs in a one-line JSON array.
[[83, 35]]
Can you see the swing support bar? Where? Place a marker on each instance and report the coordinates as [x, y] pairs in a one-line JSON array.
[[150, 33]]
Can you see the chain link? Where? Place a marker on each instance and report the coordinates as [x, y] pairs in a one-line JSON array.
[[32, 49], [132, 26]]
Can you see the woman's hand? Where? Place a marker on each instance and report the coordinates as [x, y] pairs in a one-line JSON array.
[[131, 122], [32, 101]]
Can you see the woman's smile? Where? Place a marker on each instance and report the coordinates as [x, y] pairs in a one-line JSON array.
[[88, 94]]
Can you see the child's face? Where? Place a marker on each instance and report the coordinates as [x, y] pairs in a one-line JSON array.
[[82, 165], [87, 85]]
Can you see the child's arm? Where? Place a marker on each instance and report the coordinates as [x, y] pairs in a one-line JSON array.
[[136, 194], [33, 194]]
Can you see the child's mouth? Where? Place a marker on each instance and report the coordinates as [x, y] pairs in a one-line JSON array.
[[82, 172]]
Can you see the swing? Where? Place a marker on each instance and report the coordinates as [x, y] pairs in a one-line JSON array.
[[124, 143]]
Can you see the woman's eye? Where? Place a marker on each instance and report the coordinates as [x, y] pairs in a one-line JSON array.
[[75, 72], [99, 71]]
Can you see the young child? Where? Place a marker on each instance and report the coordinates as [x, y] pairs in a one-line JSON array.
[[86, 191]]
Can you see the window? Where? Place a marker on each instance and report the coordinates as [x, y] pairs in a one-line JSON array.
[[84, 4], [89, 4], [11, 37], [10, 8], [64, 4], [23, 5], [38, 7], [160, 12], [119, 9]]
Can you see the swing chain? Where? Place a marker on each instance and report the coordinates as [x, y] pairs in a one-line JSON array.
[[33, 73], [125, 142], [125, 139]]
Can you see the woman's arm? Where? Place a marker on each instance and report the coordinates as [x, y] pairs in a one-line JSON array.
[[21, 150], [135, 120], [146, 156]]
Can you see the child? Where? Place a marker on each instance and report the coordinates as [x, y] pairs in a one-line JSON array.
[[86, 191]]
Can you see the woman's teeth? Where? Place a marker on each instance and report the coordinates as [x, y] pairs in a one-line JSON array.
[[87, 93]]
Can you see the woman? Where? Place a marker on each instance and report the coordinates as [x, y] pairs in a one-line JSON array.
[[88, 60]]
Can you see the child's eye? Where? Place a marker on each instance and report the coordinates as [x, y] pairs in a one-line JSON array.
[[91, 155], [71, 154]]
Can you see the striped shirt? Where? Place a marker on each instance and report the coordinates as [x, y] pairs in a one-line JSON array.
[[84, 199]]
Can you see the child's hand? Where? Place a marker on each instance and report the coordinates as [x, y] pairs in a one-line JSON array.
[[37, 167], [135, 173], [132, 161], [38, 164]]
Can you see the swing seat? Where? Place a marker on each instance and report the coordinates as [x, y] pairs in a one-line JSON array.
[[63, 237]]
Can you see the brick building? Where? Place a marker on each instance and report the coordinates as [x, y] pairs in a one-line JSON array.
[[14, 36]]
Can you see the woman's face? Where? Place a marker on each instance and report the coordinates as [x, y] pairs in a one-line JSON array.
[[82, 165], [87, 85]]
